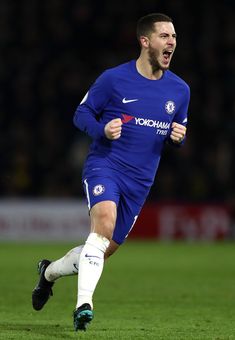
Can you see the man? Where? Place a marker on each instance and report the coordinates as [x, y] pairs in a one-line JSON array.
[[130, 112]]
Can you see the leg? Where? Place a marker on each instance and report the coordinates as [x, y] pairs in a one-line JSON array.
[[109, 228], [103, 219], [67, 265], [49, 272]]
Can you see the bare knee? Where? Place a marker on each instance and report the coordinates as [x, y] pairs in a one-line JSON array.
[[103, 218], [103, 225]]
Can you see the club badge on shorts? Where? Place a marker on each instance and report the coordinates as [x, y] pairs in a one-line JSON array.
[[99, 189]]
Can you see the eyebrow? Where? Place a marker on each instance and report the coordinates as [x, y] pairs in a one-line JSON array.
[[164, 33]]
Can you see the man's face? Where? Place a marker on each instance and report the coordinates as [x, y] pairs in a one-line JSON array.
[[162, 44]]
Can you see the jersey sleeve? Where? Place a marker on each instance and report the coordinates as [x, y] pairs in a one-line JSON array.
[[181, 116], [87, 114]]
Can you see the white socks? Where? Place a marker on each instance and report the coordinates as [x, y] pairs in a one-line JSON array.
[[67, 265], [88, 260], [90, 267]]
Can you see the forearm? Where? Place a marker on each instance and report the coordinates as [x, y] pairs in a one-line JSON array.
[[85, 121]]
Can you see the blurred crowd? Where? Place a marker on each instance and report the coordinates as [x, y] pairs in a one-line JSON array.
[[53, 50]]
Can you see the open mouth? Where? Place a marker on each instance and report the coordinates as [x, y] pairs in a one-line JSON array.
[[167, 54]]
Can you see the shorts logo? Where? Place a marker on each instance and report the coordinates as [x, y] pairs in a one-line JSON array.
[[98, 190], [170, 107]]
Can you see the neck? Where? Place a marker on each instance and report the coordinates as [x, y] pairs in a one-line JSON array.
[[146, 70]]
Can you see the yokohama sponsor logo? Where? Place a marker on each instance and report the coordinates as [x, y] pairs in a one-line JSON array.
[[152, 123]]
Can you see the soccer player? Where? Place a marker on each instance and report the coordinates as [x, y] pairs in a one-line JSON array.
[[130, 112]]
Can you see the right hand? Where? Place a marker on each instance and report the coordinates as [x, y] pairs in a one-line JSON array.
[[113, 129]]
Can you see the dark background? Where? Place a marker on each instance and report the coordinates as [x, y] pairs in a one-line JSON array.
[[52, 51]]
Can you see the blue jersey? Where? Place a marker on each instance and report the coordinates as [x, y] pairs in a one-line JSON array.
[[147, 109]]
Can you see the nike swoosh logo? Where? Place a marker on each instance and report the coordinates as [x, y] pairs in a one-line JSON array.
[[125, 101], [92, 256]]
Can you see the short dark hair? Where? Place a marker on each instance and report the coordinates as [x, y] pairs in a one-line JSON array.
[[145, 25]]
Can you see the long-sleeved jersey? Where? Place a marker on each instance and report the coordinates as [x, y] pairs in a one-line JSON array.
[[147, 109]]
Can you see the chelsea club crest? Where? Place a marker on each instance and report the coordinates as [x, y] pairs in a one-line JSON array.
[[98, 190], [170, 107]]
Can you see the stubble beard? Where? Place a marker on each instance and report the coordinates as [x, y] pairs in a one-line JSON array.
[[153, 54]]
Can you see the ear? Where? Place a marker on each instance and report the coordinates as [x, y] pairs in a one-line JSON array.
[[144, 41]]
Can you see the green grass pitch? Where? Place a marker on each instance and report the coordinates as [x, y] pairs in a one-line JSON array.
[[148, 290]]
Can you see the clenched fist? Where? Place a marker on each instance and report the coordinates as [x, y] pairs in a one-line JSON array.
[[178, 132], [113, 129]]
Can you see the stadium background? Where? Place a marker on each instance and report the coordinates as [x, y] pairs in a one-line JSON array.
[[52, 51]]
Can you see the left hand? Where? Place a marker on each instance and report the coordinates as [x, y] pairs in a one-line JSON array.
[[178, 132]]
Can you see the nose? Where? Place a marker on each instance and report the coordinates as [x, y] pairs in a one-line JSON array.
[[171, 44], [171, 40]]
